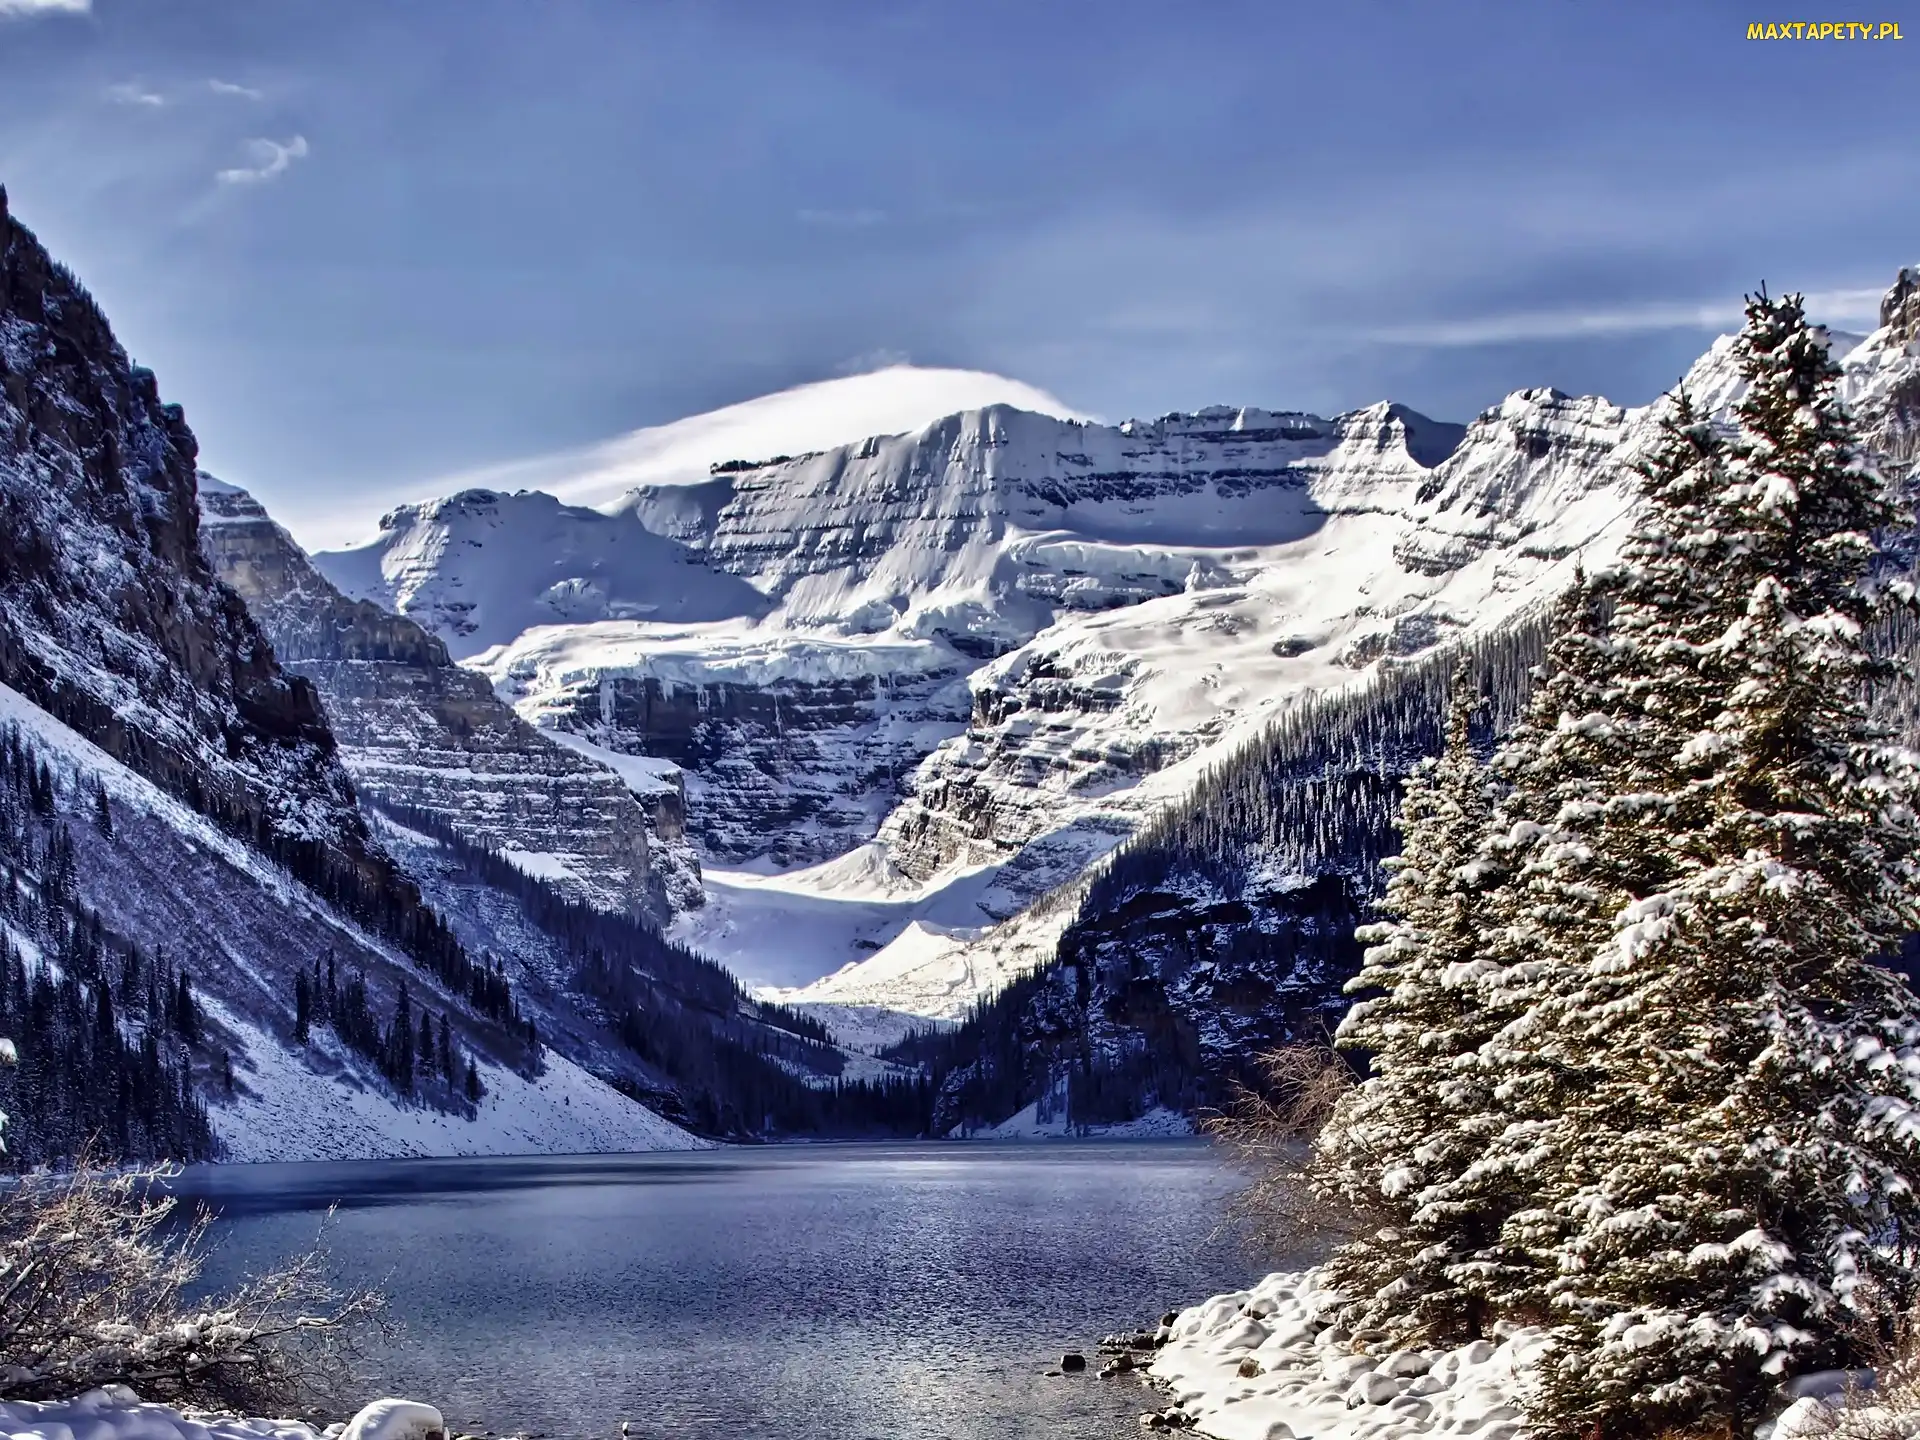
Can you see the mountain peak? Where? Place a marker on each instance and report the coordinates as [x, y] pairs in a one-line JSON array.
[[802, 420], [1900, 309]]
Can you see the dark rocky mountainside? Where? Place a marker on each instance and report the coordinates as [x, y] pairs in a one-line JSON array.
[[112, 621]]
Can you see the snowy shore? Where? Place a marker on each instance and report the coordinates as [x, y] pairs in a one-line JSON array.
[[116, 1413], [1269, 1364]]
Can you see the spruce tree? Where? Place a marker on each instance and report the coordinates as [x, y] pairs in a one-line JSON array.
[[1738, 1146], [302, 1007], [1422, 1115], [186, 1014]]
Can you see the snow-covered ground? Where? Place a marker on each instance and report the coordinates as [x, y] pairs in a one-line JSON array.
[[1267, 1364], [115, 1413], [289, 1112]]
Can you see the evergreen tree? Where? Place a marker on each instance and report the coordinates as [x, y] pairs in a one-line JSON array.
[[102, 809], [1423, 1115], [400, 1041], [1737, 1150], [186, 1014], [302, 1007], [473, 1082]]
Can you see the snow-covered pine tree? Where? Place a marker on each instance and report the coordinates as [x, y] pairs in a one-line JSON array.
[[1746, 1077], [1423, 1115], [1574, 781]]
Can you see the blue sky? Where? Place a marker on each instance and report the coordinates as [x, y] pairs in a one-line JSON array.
[[370, 243]]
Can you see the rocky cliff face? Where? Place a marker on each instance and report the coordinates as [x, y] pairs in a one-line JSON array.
[[110, 617], [198, 789], [415, 729]]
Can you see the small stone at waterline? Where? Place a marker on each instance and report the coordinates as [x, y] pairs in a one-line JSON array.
[[1167, 1319], [1073, 1361]]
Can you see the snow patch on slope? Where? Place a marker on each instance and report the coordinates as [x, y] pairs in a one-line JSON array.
[[288, 1112], [286, 1109]]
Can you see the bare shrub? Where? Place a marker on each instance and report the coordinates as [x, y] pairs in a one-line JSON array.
[[1268, 1130], [94, 1274], [1882, 1401]]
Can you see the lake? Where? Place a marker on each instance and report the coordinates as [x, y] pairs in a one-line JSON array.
[[832, 1292]]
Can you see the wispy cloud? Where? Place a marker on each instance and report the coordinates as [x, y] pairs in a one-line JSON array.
[[131, 94], [229, 87], [271, 158], [1833, 307], [842, 219], [872, 360], [25, 9]]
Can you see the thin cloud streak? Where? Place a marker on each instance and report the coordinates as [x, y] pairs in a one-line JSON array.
[[229, 87], [1838, 307], [27, 9], [272, 159], [130, 94]]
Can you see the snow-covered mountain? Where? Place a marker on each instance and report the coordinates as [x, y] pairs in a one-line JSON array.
[[210, 939], [190, 799], [417, 730], [991, 645], [943, 671], [888, 400]]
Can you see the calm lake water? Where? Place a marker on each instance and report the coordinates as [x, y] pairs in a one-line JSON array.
[[840, 1292]]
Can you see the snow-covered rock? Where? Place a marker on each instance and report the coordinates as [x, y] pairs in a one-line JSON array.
[[417, 730], [114, 1412], [1268, 1364]]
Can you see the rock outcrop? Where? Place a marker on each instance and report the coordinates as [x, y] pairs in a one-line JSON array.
[[416, 730], [111, 619]]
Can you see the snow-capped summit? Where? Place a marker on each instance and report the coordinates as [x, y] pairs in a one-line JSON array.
[[891, 400]]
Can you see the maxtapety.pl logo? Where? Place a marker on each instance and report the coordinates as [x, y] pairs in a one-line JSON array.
[[1826, 30]]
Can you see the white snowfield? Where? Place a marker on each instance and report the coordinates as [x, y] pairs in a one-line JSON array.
[[115, 1413], [1266, 1364]]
